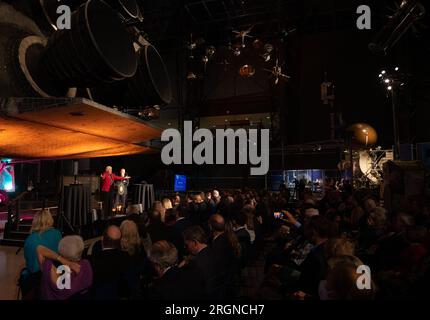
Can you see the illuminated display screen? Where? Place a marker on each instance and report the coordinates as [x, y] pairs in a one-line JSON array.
[[7, 176]]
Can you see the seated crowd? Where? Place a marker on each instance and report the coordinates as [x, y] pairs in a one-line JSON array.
[[199, 247]]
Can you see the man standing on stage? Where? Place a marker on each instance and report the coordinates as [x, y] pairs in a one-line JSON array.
[[121, 191], [108, 191]]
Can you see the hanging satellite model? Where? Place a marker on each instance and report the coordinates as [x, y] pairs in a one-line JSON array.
[[210, 51], [276, 72], [243, 34], [236, 50], [268, 48], [247, 71]]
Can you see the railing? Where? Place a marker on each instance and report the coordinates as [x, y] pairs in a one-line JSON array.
[[13, 213]]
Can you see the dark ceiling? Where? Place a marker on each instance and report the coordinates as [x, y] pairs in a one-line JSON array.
[[315, 36], [169, 20]]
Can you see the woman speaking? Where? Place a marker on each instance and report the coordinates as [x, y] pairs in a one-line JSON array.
[[109, 179]]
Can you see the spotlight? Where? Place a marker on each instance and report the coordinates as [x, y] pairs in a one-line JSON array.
[[389, 88], [383, 72], [397, 69], [387, 80]]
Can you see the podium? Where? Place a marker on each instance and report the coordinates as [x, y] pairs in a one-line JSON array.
[[144, 195]]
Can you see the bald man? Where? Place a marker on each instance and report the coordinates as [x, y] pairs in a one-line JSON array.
[[110, 265], [217, 225]]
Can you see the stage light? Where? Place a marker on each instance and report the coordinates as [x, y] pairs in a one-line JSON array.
[[397, 69], [390, 88], [383, 72], [380, 75], [387, 80]]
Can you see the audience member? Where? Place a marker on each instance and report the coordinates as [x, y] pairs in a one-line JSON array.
[[69, 256]]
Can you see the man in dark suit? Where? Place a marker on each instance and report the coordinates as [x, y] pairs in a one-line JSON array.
[[203, 262], [226, 249], [173, 283], [199, 211], [313, 269], [239, 224], [182, 222], [174, 235], [157, 229], [111, 266]]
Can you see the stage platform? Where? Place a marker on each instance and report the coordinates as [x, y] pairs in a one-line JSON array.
[[47, 128]]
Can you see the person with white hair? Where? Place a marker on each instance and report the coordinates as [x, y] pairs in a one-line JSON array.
[[65, 274], [173, 283]]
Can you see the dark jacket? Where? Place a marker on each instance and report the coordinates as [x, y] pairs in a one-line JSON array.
[[177, 284], [182, 224], [313, 270], [158, 231], [111, 269], [204, 266], [226, 261], [245, 243]]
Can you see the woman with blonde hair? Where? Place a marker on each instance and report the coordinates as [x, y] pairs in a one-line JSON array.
[[130, 239], [133, 245], [44, 234], [158, 207], [167, 203]]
